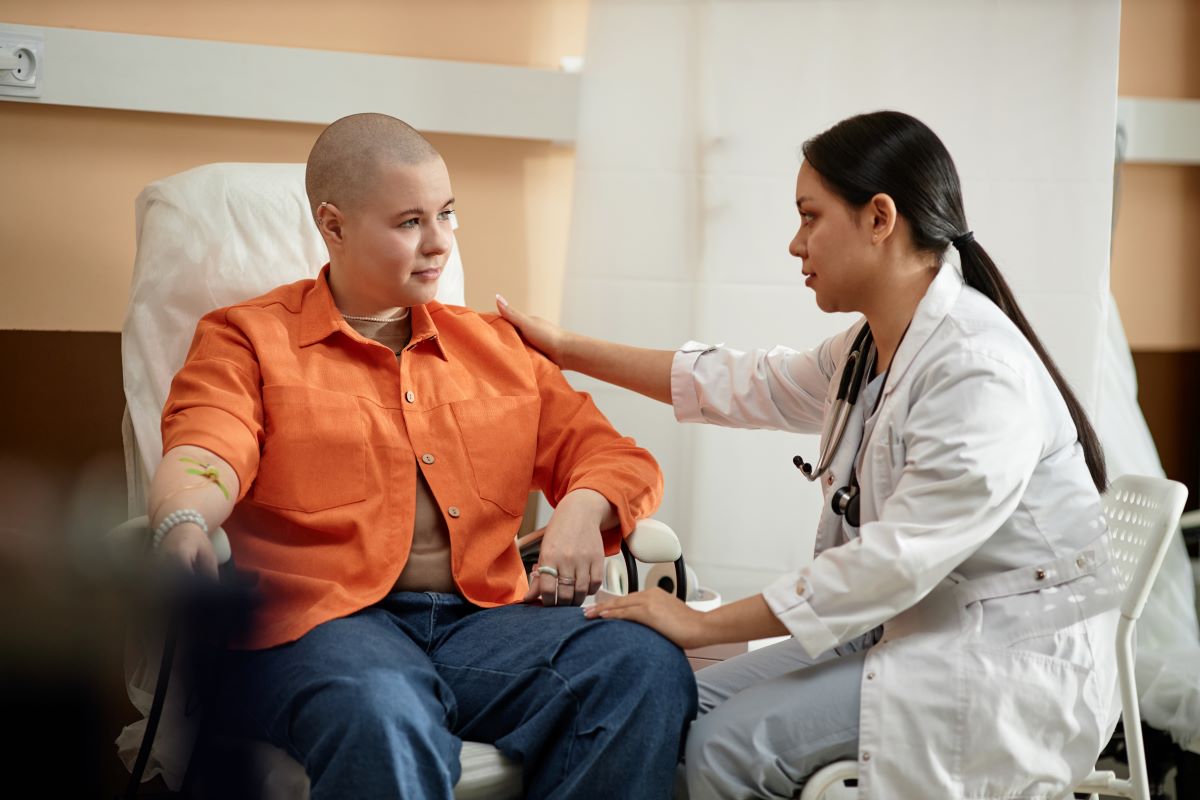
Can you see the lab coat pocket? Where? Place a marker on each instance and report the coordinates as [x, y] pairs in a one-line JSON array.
[[315, 453], [1027, 726], [500, 436]]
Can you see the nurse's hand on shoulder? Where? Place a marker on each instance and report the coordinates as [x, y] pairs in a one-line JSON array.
[[542, 334], [655, 609]]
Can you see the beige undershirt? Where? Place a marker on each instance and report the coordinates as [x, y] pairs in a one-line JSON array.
[[428, 565]]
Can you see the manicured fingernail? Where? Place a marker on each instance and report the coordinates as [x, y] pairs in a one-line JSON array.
[[500, 299]]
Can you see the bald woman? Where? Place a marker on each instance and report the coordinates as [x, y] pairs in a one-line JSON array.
[[369, 451]]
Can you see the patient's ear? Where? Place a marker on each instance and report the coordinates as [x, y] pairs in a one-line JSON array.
[[329, 223]]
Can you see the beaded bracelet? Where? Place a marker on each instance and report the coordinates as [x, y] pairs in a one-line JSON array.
[[177, 517]]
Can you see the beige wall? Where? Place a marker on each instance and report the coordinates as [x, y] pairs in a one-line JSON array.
[[69, 241], [1156, 262]]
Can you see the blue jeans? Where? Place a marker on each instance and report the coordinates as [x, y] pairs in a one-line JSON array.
[[375, 705]]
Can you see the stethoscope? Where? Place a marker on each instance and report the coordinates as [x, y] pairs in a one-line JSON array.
[[859, 364]]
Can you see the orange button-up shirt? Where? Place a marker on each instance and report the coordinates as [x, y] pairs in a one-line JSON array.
[[326, 430]]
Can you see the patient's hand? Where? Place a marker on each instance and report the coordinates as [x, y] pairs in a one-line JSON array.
[[573, 546], [189, 549], [542, 334]]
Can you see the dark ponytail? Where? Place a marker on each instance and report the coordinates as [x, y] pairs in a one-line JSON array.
[[891, 153]]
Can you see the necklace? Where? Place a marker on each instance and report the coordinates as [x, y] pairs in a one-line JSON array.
[[402, 315]]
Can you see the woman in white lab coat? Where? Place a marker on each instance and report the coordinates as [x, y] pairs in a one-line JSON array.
[[953, 630]]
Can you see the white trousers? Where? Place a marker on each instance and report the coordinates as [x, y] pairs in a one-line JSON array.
[[770, 718]]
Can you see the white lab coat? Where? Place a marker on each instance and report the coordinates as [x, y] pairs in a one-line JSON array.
[[982, 551]]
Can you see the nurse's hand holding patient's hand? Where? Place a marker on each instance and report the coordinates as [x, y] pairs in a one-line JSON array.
[[659, 610]]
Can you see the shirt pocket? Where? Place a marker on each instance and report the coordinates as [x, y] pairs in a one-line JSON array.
[[500, 436], [315, 453]]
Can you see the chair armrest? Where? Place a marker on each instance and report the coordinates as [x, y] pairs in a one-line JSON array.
[[127, 545], [653, 542]]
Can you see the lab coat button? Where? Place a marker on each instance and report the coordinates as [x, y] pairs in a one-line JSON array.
[[870, 676], [1081, 562], [1040, 574], [454, 512], [410, 397], [866, 756], [428, 458]]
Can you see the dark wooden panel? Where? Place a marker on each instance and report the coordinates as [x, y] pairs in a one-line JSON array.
[[1169, 394], [718, 652], [62, 399], [62, 486]]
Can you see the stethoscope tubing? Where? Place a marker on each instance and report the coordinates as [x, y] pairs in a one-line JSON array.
[[858, 364]]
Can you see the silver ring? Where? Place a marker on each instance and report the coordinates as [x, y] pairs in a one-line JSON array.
[[566, 581], [551, 571]]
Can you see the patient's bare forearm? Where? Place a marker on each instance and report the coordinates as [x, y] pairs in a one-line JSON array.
[[643, 370], [590, 505], [195, 478]]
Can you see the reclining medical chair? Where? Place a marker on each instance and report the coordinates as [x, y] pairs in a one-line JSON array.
[[207, 238], [1143, 514]]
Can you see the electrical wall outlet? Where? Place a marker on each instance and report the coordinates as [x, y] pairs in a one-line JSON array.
[[25, 79]]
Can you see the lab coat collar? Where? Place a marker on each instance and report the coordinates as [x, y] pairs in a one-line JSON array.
[[939, 298], [320, 318]]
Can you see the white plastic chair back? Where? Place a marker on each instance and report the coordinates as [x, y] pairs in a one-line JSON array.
[[206, 238], [1142, 513]]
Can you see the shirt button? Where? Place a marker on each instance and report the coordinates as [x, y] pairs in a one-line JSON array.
[[870, 676], [428, 458], [1081, 562], [866, 756], [829, 479], [410, 397], [454, 512]]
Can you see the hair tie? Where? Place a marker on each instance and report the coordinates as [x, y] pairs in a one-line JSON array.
[[961, 239]]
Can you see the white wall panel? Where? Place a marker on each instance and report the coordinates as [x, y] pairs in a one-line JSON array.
[[720, 95]]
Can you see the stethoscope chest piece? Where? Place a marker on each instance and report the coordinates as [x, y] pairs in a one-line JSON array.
[[845, 501]]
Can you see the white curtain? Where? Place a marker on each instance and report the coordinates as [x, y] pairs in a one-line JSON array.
[[692, 114]]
